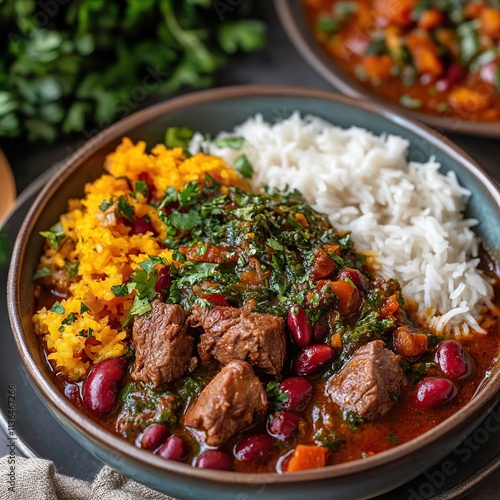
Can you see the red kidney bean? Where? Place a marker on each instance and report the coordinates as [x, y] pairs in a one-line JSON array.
[[299, 326], [214, 459], [454, 74], [454, 360], [154, 436], [72, 392], [163, 282], [432, 392], [284, 425], [141, 226], [299, 392], [321, 328], [253, 448], [174, 448], [313, 359], [100, 389], [355, 276]]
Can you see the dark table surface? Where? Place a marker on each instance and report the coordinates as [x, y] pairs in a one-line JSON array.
[[278, 64]]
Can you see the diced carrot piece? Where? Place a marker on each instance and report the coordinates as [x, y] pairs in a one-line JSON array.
[[395, 11], [390, 306], [378, 67], [490, 22], [332, 248], [347, 298], [473, 10], [468, 101], [307, 457], [409, 344], [424, 52], [336, 340], [431, 19]]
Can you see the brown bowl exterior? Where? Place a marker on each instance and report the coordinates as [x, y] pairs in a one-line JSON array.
[[293, 19], [212, 111]]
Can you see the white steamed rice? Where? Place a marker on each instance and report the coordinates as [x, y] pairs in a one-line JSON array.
[[409, 214]]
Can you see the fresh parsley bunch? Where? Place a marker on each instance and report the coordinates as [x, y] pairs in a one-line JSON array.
[[70, 64]]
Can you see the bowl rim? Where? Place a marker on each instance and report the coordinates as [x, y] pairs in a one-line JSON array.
[[293, 24], [142, 459]]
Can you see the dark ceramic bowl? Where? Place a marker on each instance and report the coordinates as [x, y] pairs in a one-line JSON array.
[[212, 111], [293, 19]]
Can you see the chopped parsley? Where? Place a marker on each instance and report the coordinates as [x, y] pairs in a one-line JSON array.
[[243, 166], [57, 308], [235, 143], [178, 137], [275, 397], [42, 272], [54, 235]]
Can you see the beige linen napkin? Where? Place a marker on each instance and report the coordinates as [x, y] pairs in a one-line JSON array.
[[38, 479]]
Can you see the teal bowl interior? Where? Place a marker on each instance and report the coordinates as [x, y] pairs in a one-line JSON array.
[[211, 112]]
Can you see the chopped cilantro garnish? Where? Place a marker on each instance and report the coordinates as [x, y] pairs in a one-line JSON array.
[[178, 137], [275, 397], [120, 290], [105, 204], [57, 308], [42, 272], [71, 268], [243, 166], [235, 143], [125, 209], [141, 187], [352, 420], [84, 308], [54, 235], [189, 193]]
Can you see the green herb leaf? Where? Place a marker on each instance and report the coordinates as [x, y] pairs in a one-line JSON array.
[[247, 35], [243, 166], [352, 420], [275, 397], [71, 268], [235, 143], [105, 204], [178, 137], [120, 290], [189, 194], [152, 262], [84, 308], [42, 272], [185, 222], [497, 79], [125, 208], [141, 187], [57, 308], [54, 235], [139, 307], [410, 102], [327, 24], [468, 34]]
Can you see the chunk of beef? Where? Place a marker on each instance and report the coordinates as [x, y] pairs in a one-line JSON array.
[[233, 400], [163, 348], [368, 383], [232, 333]]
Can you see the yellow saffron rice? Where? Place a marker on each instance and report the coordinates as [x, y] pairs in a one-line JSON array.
[[98, 252]]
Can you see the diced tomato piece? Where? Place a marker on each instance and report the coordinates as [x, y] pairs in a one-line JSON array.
[[217, 299]]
